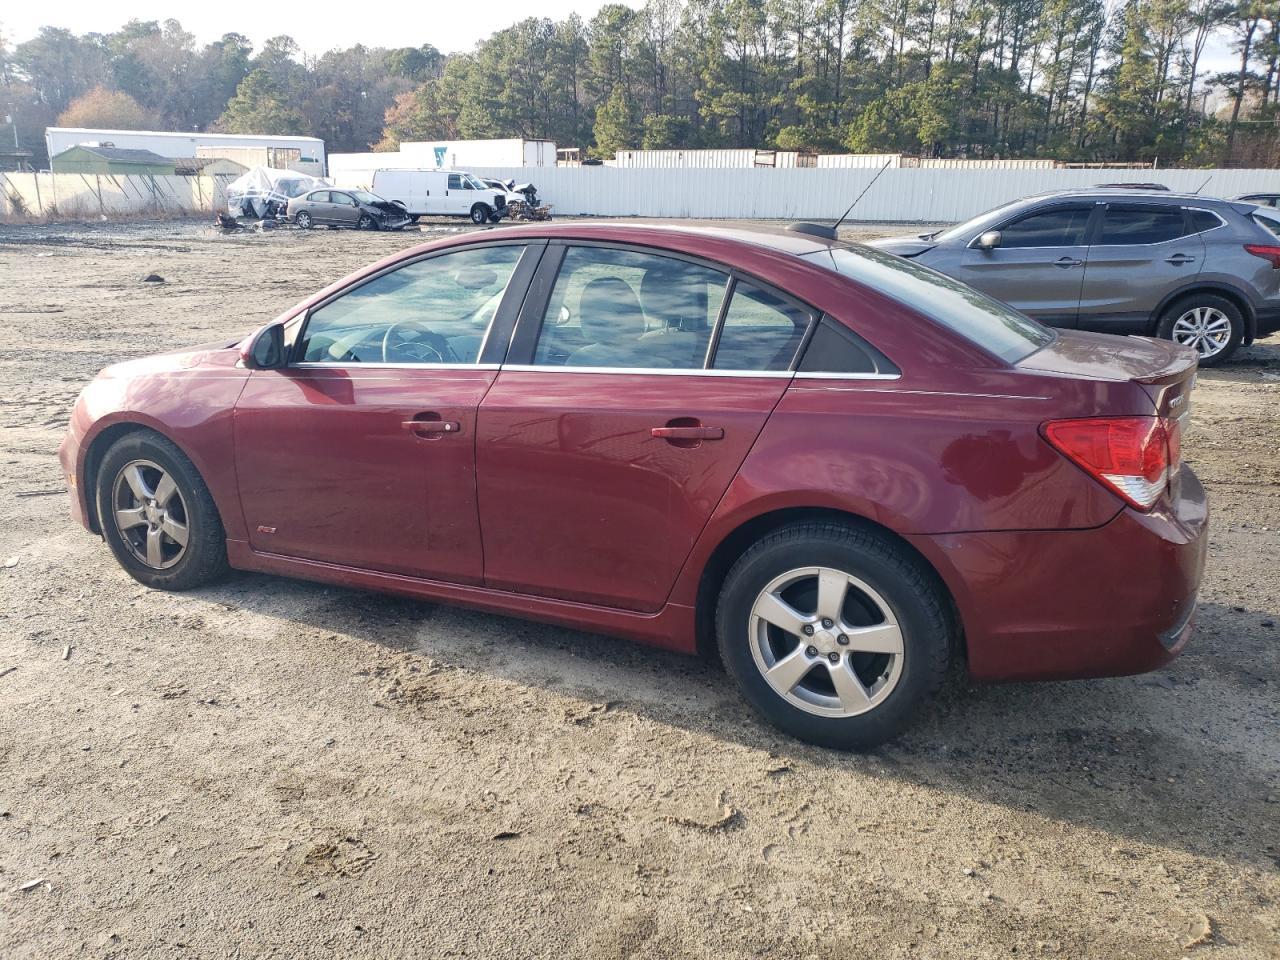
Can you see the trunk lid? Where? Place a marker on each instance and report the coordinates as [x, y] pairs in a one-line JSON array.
[[1165, 370]]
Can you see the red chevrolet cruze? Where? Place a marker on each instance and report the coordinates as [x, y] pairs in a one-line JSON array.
[[844, 470]]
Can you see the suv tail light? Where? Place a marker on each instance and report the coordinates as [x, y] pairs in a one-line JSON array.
[[1266, 251], [1132, 456]]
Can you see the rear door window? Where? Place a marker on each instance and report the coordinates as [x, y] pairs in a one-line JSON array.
[[762, 331], [1059, 227], [1140, 225]]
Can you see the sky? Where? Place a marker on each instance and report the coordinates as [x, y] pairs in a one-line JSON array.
[[317, 27]]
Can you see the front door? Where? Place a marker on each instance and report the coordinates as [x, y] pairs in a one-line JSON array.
[[1141, 253], [1039, 265], [346, 212], [361, 451], [604, 447]]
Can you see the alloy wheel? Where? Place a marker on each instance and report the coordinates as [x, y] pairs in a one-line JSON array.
[[1207, 329], [150, 514], [826, 642]]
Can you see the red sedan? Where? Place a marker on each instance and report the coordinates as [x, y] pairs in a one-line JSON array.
[[840, 468]]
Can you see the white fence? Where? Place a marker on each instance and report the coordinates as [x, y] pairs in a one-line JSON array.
[[922, 195], [70, 196], [905, 195]]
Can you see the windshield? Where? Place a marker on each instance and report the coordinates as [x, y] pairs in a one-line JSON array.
[[977, 224], [364, 196], [989, 323]]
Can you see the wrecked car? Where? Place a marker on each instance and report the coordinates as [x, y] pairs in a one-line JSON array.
[[263, 193], [359, 209]]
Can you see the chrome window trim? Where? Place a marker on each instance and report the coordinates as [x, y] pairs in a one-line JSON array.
[[379, 365], [826, 375], [647, 371]]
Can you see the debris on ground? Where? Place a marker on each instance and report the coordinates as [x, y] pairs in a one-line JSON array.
[[153, 278], [1201, 931], [30, 885]]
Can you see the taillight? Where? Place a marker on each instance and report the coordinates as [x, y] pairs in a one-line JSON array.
[[1266, 251], [1133, 456]]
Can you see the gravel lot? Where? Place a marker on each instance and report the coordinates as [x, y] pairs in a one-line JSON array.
[[279, 769]]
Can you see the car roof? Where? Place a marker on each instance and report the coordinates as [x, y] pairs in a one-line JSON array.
[[768, 236], [1127, 193]]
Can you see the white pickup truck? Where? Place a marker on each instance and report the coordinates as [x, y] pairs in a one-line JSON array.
[[441, 193]]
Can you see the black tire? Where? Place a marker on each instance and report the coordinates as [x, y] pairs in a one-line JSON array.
[[303, 220], [495, 218], [413, 217], [912, 591], [366, 223], [204, 559], [1209, 302], [479, 213]]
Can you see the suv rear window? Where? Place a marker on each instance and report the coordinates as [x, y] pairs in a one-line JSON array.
[[1270, 224], [990, 324]]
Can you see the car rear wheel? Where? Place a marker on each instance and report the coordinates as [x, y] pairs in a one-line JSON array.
[[158, 516], [303, 220], [479, 213], [1211, 325], [833, 633]]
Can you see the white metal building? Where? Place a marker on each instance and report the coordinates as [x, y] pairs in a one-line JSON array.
[[310, 156], [462, 154]]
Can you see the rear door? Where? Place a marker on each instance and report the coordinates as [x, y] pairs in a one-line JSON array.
[[318, 206], [1139, 255], [361, 452], [1038, 266], [637, 383]]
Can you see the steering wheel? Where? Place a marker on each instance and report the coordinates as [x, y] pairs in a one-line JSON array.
[[415, 341]]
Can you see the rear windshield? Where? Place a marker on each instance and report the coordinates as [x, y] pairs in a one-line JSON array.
[[990, 324]]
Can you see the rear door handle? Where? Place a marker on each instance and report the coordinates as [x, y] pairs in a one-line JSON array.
[[1178, 259], [430, 428], [688, 433], [1065, 262]]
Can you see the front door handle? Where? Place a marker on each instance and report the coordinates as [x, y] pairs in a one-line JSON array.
[[687, 433], [1178, 259], [430, 429], [1065, 262]]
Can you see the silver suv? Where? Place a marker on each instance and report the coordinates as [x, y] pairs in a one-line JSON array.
[[1198, 270]]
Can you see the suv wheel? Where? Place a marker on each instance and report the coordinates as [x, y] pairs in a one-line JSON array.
[[479, 213], [834, 634], [1211, 325], [158, 516]]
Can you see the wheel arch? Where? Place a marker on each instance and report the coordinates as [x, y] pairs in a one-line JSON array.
[[100, 443], [737, 540], [1218, 288]]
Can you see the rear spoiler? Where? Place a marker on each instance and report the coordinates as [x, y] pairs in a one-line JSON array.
[[1181, 360]]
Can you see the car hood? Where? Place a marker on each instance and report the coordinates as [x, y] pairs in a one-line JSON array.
[[203, 357], [902, 246], [386, 206]]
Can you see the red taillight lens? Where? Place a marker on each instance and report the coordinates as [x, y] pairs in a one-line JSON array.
[[1132, 456], [1266, 251]]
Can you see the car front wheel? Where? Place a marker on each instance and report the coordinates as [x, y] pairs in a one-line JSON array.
[[1211, 325], [834, 633], [366, 223], [158, 516], [479, 213]]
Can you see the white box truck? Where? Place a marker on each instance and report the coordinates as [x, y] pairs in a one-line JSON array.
[[441, 193]]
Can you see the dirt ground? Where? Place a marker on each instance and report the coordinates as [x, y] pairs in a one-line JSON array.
[[278, 769]]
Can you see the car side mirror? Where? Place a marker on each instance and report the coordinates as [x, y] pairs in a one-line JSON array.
[[265, 349], [989, 240]]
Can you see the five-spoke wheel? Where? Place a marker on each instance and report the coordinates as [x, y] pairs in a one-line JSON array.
[[157, 514], [150, 514], [826, 642], [834, 632]]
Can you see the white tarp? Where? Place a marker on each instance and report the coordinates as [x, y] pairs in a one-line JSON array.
[[261, 191]]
